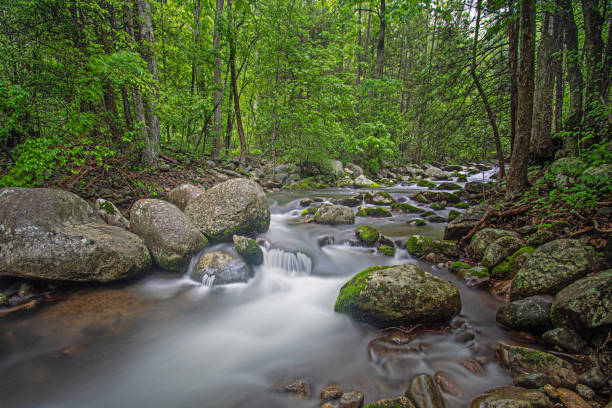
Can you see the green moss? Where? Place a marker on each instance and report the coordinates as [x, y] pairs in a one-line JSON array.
[[453, 214], [456, 266], [426, 183], [387, 250], [413, 245], [461, 205], [399, 402], [373, 212], [308, 211], [427, 213], [417, 222], [409, 208], [439, 206], [478, 272], [420, 198], [108, 207], [502, 270], [367, 234], [353, 288]]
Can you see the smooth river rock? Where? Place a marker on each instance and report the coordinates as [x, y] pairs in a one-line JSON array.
[[424, 392], [236, 206], [399, 402], [334, 214], [248, 249], [168, 233], [398, 295], [512, 397], [54, 234], [461, 225], [530, 314], [181, 195], [218, 268]]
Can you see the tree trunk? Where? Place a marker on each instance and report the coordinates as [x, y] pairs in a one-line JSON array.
[[218, 85], [233, 81], [513, 69], [380, 49], [517, 175], [127, 114], [359, 52], [593, 52], [147, 50], [558, 68], [483, 96], [574, 75], [541, 137], [196, 38]]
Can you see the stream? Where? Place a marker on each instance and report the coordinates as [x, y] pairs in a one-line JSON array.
[[167, 341]]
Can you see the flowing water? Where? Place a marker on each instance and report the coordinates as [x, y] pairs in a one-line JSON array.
[[166, 341]]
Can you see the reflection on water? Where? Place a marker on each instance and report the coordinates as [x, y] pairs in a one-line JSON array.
[[168, 341]]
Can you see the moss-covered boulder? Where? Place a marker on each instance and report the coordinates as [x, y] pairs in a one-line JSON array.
[[308, 211], [447, 185], [367, 235], [597, 176], [409, 208], [500, 249], [426, 183], [436, 197], [552, 267], [54, 234], [363, 182], [218, 268], [417, 222], [334, 214], [378, 198], [565, 171], [457, 266], [462, 205], [110, 214], [351, 201], [424, 392], [419, 245], [398, 295], [236, 206], [512, 397], [566, 339], [438, 206], [373, 212], [477, 187], [248, 249], [453, 214], [530, 314], [487, 236], [510, 266], [399, 402], [461, 225], [181, 195], [523, 360], [169, 234], [585, 304]]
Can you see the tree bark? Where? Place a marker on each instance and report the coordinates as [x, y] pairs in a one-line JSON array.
[[233, 81], [558, 68], [517, 175], [218, 85], [196, 38], [483, 96], [359, 52], [380, 49], [541, 136], [593, 52], [513, 69]]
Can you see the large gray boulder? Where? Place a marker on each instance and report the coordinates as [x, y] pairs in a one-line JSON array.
[[236, 206], [531, 314], [334, 214], [248, 249], [355, 169], [169, 234], [218, 268], [552, 267], [54, 234], [484, 238], [398, 295], [363, 181], [181, 195], [431, 171], [500, 249], [461, 225]]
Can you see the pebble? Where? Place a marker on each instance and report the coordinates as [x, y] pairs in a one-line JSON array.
[[351, 399], [551, 391], [571, 400], [331, 392], [585, 391]]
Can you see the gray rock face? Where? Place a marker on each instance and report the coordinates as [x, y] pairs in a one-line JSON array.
[[461, 225], [363, 181], [476, 187], [169, 234], [218, 268], [355, 169], [551, 267], [248, 249], [530, 314], [181, 195], [110, 214], [54, 234], [398, 295], [334, 214], [565, 171], [336, 168], [567, 339], [424, 392], [487, 236], [435, 172], [585, 304], [235, 206], [501, 249], [512, 397]]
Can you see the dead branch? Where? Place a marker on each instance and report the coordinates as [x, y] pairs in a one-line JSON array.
[[490, 213]]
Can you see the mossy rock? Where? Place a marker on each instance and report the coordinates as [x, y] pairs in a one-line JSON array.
[[378, 198], [308, 211], [399, 402], [420, 198], [420, 246], [373, 212], [409, 208], [438, 206], [367, 235], [248, 249], [398, 295], [457, 266], [500, 249], [426, 183], [427, 214], [512, 397], [479, 272], [510, 266], [461, 205], [437, 197], [461, 225], [485, 237], [453, 214], [448, 186], [530, 314], [417, 222], [565, 171], [387, 250]]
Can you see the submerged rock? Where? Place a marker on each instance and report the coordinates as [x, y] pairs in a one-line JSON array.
[[530, 314], [368, 236], [334, 214], [181, 195], [249, 250], [110, 214], [461, 225], [424, 392], [236, 206], [512, 397], [217, 268], [373, 212], [54, 234], [398, 295], [551, 267], [168, 233]]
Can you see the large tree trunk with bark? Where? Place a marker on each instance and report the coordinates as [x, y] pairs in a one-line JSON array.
[[593, 52], [380, 49], [541, 135], [558, 68], [218, 85], [517, 181], [233, 80], [513, 28]]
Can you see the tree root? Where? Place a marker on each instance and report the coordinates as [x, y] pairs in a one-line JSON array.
[[490, 213]]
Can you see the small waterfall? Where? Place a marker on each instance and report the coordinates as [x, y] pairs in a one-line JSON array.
[[293, 264], [208, 280]]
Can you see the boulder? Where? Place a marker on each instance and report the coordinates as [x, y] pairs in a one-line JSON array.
[[436, 197], [169, 234], [565, 171], [236, 206], [500, 249], [409, 208], [477, 187], [597, 176], [334, 214], [447, 185], [530, 314], [399, 402], [218, 268], [566, 339], [523, 360], [373, 212], [512, 397], [351, 399], [378, 198], [434, 172], [181, 195], [362, 181], [336, 168], [398, 295], [585, 304], [484, 238], [54, 234], [424, 392], [367, 235], [249, 250], [355, 169], [510, 266], [551, 267], [110, 214], [461, 225], [420, 246]]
